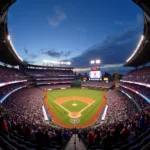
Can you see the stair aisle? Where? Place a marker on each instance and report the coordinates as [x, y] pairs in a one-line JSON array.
[[71, 145]]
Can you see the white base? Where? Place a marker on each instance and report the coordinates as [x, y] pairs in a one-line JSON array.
[[74, 104]]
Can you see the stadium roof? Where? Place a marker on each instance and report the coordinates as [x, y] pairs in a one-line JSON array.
[[141, 55], [48, 67], [8, 53]]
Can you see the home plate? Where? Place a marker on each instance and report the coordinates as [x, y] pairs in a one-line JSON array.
[[74, 104]]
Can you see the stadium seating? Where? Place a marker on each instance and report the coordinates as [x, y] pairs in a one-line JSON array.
[[46, 87], [18, 131], [25, 118], [49, 72], [141, 89], [139, 75], [122, 104], [9, 74], [6, 89], [129, 134], [97, 84], [141, 101]]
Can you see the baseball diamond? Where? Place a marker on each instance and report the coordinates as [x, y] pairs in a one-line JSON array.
[[88, 106]]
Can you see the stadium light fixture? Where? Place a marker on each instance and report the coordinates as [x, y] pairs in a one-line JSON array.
[[9, 39], [92, 62], [57, 62], [98, 61], [45, 61], [139, 44], [62, 63], [68, 63]]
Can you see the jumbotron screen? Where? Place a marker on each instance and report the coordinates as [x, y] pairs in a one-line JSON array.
[[95, 74]]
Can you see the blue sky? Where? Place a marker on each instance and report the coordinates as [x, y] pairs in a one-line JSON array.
[[75, 30]]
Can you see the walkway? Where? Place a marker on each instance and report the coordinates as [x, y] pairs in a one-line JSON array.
[[71, 145]]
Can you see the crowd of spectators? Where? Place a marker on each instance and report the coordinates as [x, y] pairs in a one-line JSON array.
[[141, 89], [25, 134], [9, 74], [53, 82], [54, 78], [23, 110], [57, 86], [137, 98], [122, 134], [97, 84], [26, 119], [6, 89], [120, 107], [49, 72], [27, 104], [139, 75]]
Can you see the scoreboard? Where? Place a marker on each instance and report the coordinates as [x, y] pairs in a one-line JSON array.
[[95, 74]]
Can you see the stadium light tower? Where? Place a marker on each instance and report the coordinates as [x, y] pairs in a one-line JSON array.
[[92, 62], [97, 61]]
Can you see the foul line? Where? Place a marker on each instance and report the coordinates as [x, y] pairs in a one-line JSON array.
[[86, 107], [62, 107], [70, 111]]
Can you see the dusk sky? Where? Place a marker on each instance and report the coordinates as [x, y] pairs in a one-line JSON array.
[[75, 30]]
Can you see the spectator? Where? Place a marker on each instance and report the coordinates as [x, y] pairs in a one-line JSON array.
[[124, 133], [107, 141], [3, 125]]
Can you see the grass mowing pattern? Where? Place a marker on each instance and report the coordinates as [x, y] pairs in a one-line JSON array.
[[79, 107], [87, 114]]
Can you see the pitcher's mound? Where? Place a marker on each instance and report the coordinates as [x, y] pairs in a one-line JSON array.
[[74, 114], [74, 104]]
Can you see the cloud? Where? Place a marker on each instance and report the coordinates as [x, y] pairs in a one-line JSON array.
[[55, 54], [26, 51], [57, 18], [82, 30], [114, 49], [30, 55]]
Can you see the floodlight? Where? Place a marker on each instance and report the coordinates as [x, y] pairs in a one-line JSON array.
[[92, 62], [98, 61], [45, 61], [8, 37], [63, 63], [56, 62], [139, 44], [68, 63]]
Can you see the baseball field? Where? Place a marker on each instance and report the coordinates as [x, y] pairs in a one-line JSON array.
[[74, 107]]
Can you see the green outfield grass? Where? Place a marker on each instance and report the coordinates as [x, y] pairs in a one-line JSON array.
[[86, 114], [80, 105]]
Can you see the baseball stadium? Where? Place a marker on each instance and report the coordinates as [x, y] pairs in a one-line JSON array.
[[56, 106]]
